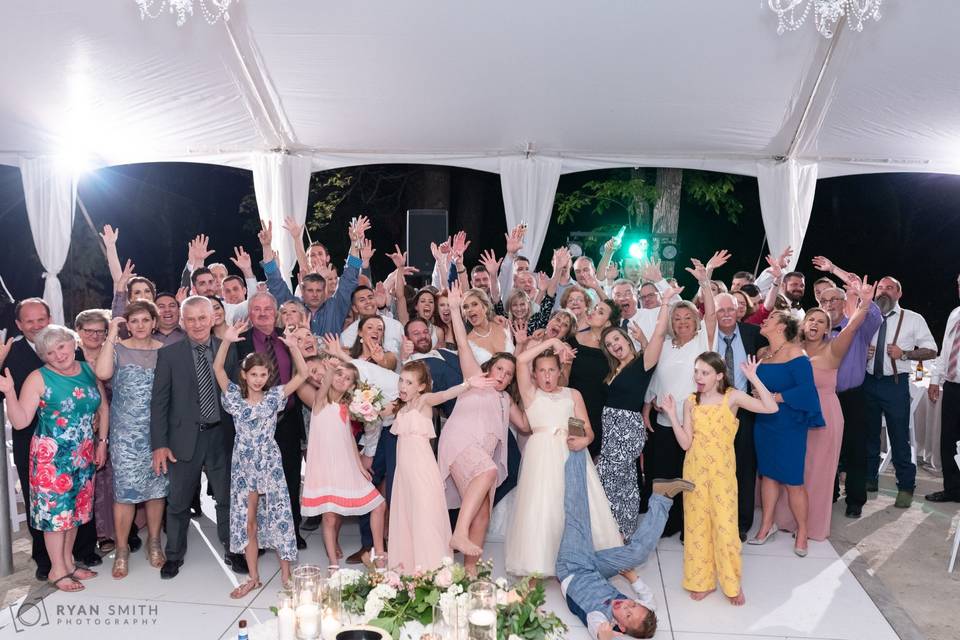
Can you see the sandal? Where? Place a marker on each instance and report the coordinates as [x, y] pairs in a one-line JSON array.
[[73, 585], [106, 545], [82, 573], [155, 553], [120, 562], [245, 589]]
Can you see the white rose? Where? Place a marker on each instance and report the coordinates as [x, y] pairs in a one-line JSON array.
[[502, 583], [446, 561]]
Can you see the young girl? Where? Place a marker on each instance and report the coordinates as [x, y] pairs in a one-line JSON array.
[[711, 537], [260, 514], [336, 483], [419, 521]]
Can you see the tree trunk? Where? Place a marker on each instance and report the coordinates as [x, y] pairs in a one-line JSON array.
[[641, 207], [666, 213]]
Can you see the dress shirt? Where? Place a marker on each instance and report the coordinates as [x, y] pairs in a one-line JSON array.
[[392, 335], [851, 373], [914, 334], [597, 618], [939, 371], [388, 382], [739, 356], [176, 335]]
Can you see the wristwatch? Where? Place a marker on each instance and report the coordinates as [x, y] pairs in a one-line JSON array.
[[903, 356]]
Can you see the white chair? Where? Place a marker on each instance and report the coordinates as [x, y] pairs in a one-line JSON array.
[[956, 537], [15, 496]]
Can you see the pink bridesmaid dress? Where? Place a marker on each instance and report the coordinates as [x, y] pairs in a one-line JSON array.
[[820, 465], [419, 522]]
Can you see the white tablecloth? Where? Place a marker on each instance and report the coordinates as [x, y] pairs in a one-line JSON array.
[[925, 423]]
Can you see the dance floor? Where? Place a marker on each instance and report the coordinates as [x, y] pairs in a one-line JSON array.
[[787, 597]]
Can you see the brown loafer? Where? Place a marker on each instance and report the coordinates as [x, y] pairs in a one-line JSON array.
[[359, 556], [671, 487]]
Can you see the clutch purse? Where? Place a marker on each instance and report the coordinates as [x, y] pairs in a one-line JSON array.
[[576, 427]]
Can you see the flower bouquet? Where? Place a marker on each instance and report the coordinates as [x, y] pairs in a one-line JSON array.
[[392, 601], [366, 403]]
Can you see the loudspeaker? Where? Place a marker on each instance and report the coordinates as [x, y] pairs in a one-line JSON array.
[[423, 227]]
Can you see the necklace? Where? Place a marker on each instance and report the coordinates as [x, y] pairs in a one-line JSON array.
[[772, 355], [477, 333]]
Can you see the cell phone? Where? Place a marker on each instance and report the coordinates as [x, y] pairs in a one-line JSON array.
[[576, 427]]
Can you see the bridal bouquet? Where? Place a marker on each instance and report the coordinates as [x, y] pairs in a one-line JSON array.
[[366, 403]]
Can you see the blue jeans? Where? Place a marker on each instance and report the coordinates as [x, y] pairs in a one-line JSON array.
[[589, 588], [384, 466], [889, 397]]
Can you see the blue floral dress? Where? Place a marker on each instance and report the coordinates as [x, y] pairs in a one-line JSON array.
[[62, 451], [256, 468], [131, 453]]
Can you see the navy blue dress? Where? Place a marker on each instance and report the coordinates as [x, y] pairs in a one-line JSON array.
[[781, 438]]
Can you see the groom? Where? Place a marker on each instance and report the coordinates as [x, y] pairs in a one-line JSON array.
[[584, 573]]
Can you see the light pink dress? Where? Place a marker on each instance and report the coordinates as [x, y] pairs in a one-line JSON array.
[[820, 465], [334, 481], [419, 522], [474, 440]]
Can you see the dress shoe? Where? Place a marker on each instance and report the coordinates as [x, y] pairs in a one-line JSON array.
[[237, 562], [904, 499], [743, 536], [42, 574], [301, 543], [92, 560], [357, 558], [134, 543], [195, 512], [942, 496], [311, 523], [671, 487], [757, 540], [873, 486], [854, 511], [170, 569]]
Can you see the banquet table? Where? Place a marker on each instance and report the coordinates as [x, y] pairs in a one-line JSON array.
[[924, 427]]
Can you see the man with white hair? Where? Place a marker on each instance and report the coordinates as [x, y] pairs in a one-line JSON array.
[[945, 382], [190, 431]]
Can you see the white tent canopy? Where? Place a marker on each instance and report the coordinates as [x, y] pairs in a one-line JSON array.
[[583, 85]]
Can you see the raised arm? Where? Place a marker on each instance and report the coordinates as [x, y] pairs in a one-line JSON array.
[[489, 261], [22, 408], [479, 381], [702, 274], [399, 259], [524, 360], [109, 237], [651, 354], [296, 232], [468, 362], [682, 430], [764, 402], [103, 368], [841, 344], [231, 335], [609, 247], [825, 264], [300, 366]]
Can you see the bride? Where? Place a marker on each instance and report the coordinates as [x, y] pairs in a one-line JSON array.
[[486, 337]]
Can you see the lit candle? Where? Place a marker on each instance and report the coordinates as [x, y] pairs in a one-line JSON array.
[[329, 626], [286, 623], [308, 620]]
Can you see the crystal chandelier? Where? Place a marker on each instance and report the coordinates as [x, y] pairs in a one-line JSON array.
[[826, 14], [212, 10]]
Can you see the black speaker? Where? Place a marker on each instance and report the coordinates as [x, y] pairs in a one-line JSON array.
[[423, 227]]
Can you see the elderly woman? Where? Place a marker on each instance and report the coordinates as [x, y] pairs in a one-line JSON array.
[[519, 306], [745, 306], [66, 396], [130, 365], [576, 300], [689, 337]]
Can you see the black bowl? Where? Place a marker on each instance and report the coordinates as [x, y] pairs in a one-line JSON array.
[[361, 634]]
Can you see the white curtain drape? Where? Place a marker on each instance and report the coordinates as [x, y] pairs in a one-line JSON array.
[[50, 193], [281, 183], [529, 187], [786, 198]]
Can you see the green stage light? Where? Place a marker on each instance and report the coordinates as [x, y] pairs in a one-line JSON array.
[[638, 249]]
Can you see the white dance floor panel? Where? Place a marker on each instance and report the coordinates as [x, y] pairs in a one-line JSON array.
[[787, 597]]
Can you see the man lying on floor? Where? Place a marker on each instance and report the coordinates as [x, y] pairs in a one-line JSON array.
[[584, 573]]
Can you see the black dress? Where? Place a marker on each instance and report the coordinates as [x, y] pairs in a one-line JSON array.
[[586, 376]]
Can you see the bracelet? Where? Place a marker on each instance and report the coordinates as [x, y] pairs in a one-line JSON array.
[[103, 440]]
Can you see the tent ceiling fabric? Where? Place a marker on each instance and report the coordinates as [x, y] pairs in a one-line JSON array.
[[653, 82]]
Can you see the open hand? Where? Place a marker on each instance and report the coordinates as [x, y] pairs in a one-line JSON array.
[[749, 367], [232, 334], [266, 233], [668, 404], [242, 260], [718, 259], [822, 264], [110, 235], [515, 239], [6, 382], [489, 261], [481, 381], [698, 271], [293, 228]]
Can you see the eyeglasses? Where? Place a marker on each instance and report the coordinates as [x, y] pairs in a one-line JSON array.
[[830, 300], [94, 332]]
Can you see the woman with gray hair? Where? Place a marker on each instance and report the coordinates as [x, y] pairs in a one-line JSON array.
[[689, 337], [66, 395]]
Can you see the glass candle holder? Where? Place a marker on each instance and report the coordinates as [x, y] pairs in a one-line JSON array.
[[482, 611], [307, 593], [286, 616]]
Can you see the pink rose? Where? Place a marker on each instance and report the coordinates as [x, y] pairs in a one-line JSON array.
[[63, 483], [63, 520], [444, 578], [42, 477], [83, 455], [78, 392], [61, 421], [393, 579], [44, 449], [84, 504]]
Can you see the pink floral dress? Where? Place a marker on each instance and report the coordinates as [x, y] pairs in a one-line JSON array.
[[61, 451]]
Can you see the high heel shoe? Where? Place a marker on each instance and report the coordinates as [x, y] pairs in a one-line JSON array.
[[757, 540], [120, 563], [155, 553]]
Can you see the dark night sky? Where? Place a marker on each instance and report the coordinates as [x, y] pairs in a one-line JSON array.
[[906, 225]]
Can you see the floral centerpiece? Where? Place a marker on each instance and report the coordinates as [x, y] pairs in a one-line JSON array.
[[393, 601], [366, 403]]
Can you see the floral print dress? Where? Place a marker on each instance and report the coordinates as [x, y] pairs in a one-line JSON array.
[[256, 468], [62, 451]]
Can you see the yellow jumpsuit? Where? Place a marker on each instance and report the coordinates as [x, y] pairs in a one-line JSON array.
[[711, 548]]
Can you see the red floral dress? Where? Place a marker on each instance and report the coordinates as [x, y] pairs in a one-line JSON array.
[[61, 451]]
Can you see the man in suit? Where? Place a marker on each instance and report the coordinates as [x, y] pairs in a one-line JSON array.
[[190, 431], [20, 356], [264, 337], [736, 341]]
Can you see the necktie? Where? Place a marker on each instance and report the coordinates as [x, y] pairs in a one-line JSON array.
[[274, 378], [954, 353], [728, 353], [881, 350], [624, 323], [208, 397]]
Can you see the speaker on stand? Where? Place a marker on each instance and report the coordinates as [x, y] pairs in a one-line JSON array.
[[423, 227]]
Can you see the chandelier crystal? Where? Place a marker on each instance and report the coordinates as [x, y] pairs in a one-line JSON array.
[[212, 10], [792, 14]]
